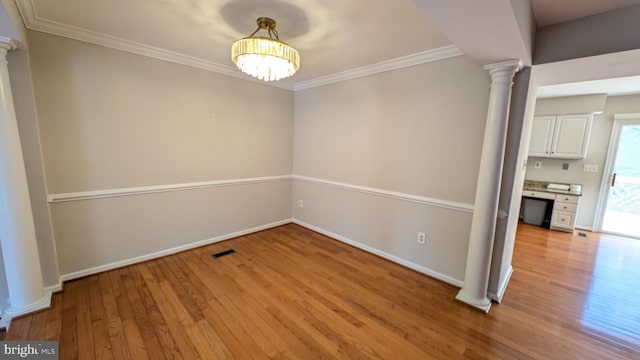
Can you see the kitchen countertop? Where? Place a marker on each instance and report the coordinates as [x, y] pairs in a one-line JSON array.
[[535, 185]]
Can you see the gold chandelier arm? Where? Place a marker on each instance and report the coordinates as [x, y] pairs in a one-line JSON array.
[[253, 33], [269, 25]]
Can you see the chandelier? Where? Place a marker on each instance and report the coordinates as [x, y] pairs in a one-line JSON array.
[[266, 58]]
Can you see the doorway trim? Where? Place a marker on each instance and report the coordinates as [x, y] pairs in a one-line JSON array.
[[619, 120]]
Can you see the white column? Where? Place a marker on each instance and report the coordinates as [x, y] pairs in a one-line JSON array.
[[485, 208], [17, 230]]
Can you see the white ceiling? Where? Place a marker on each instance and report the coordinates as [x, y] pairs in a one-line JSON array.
[[332, 36]]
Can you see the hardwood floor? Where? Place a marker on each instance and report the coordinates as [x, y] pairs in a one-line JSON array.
[[291, 293]]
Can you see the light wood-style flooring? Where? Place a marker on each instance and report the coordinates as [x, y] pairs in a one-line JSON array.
[[291, 293]]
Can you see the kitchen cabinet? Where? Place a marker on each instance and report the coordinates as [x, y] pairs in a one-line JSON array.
[[563, 217], [561, 136]]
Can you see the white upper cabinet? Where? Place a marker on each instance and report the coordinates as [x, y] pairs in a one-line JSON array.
[[562, 136], [541, 136]]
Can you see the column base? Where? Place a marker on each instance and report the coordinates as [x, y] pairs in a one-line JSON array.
[[13, 311], [481, 304]]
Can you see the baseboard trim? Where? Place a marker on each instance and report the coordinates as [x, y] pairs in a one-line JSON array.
[[497, 297], [11, 312], [483, 304], [587, 228], [54, 288], [419, 268], [171, 251]]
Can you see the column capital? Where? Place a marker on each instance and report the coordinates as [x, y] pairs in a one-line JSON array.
[[514, 65], [6, 45], [503, 72]]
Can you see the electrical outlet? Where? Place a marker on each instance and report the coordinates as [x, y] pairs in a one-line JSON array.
[[422, 238], [538, 164], [590, 168], [300, 203]]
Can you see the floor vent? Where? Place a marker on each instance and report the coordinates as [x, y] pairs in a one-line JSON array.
[[582, 234], [223, 253]]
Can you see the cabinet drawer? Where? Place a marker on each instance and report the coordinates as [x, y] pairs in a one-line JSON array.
[[538, 194], [566, 207], [563, 220], [567, 198]]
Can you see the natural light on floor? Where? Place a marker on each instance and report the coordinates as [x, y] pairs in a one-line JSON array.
[[611, 306], [622, 223]]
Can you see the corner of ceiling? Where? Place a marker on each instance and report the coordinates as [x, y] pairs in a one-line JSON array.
[[33, 22], [431, 55]]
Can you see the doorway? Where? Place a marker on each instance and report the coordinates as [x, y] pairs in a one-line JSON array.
[[620, 191]]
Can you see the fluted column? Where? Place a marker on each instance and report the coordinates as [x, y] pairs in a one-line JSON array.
[[485, 208], [17, 230]]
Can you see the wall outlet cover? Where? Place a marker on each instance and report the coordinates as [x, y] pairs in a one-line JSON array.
[[565, 166], [422, 238]]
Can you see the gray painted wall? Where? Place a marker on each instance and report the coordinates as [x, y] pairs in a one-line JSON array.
[[609, 32], [416, 131], [115, 120]]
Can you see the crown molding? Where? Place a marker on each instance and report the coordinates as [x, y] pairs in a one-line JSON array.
[[33, 22], [393, 64]]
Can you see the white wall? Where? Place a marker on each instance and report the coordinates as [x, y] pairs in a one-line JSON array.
[[569, 105], [114, 120], [596, 154], [416, 131]]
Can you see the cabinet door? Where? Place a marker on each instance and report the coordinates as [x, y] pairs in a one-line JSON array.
[[571, 136], [541, 136]]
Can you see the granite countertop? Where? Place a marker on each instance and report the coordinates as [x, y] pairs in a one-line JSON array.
[[535, 185]]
